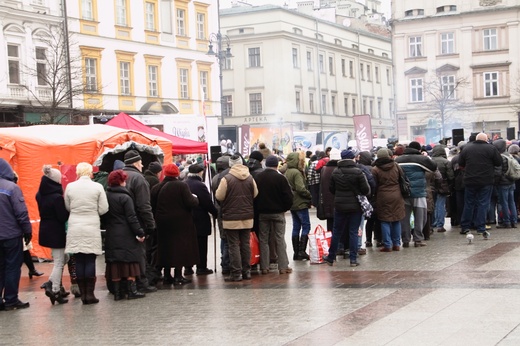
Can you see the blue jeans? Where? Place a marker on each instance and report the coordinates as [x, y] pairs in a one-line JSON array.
[[11, 259], [476, 205], [439, 215], [301, 220], [391, 233], [506, 198], [351, 221]]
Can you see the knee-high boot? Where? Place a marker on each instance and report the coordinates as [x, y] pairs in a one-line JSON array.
[[118, 293], [296, 247], [90, 285], [303, 246], [82, 289]]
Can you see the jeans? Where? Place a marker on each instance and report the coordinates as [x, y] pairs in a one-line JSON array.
[[273, 223], [301, 220], [85, 265], [476, 205], [506, 198], [351, 221], [11, 259], [239, 250], [391, 232], [439, 214], [60, 258]]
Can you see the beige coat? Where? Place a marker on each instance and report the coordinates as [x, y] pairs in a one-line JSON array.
[[86, 201]]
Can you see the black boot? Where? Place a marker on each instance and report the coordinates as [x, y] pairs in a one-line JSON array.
[[118, 294], [296, 247], [303, 246], [90, 285], [133, 293], [47, 286], [57, 297], [63, 292], [82, 289]]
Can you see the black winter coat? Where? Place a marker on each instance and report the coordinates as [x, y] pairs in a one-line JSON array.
[[326, 201], [347, 182], [479, 160], [140, 192], [201, 212], [122, 227], [274, 192], [53, 214]]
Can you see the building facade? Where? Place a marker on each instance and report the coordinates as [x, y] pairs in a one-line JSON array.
[[309, 72], [456, 67]]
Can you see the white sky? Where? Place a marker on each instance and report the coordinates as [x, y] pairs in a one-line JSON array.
[[385, 4]]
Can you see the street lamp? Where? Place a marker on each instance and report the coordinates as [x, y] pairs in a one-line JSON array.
[[221, 56]]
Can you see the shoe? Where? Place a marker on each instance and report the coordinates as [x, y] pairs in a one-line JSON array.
[[118, 292], [485, 234], [204, 271], [264, 271], [233, 278], [406, 244], [362, 251], [368, 244], [385, 249], [148, 289], [287, 270], [57, 297], [441, 230], [90, 285], [513, 225], [188, 271], [246, 275], [180, 281], [504, 225], [325, 258], [132, 291], [34, 273], [379, 244], [47, 286], [419, 244], [396, 248], [273, 266], [19, 305], [489, 227], [63, 292], [464, 231], [2, 307], [226, 271], [354, 264]]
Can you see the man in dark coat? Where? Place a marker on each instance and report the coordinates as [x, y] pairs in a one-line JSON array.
[[222, 166], [444, 187], [140, 192], [153, 173], [201, 215], [274, 199], [478, 159]]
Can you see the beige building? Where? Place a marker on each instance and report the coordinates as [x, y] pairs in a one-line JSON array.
[[457, 65], [311, 72]]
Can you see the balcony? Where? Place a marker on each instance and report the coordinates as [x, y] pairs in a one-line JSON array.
[[17, 92]]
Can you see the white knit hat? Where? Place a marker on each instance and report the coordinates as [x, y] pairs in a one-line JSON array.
[[52, 173]]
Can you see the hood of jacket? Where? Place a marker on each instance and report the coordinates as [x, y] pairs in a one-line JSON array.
[[49, 186], [385, 163], [253, 164], [411, 151], [6, 172], [439, 151], [293, 160], [365, 158], [239, 171], [500, 144]]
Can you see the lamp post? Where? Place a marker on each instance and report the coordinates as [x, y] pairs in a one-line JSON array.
[[221, 56]]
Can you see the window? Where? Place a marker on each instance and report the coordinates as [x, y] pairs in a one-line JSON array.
[[448, 87], [370, 51], [121, 13], [453, 8], [298, 102], [379, 108], [490, 84], [343, 68], [201, 26], [227, 105], [416, 90], [153, 84], [181, 22], [376, 71], [87, 10], [345, 105], [408, 13], [384, 55], [309, 61], [490, 39], [41, 66], [184, 82], [362, 71], [440, 9], [371, 105], [333, 104], [353, 106], [369, 73], [447, 43], [254, 57], [91, 75], [124, 78], [415, 46], [331, 66], [311, 102], [204, 84], [295, 57], [364, 109], [390, 108], [321, 64], [351, 68], [227, 63], [150, 16], [388, 80], [420, 12], [323, 104], [255, 103]]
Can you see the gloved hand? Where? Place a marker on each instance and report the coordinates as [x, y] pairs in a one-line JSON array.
[[27, 238]]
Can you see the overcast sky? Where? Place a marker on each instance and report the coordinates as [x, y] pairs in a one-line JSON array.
[[385, 4]]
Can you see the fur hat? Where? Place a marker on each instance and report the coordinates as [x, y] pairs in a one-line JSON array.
[[415, 145], [235, 160], [171, 170], [383, 152], [118, 164], [347, 154], [195, 169], [271, 161], [115, 178], [132, 156], [52, 173], [155, 167], [335, 154], [257, 155]]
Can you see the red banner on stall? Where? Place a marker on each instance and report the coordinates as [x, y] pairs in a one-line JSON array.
[[363, 132]]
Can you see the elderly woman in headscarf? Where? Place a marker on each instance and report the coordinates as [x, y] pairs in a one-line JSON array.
[[172, 204]]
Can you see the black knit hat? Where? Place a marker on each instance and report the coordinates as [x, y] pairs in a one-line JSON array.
[[154, 167], [195, 168], [258, 156], [132, 156]]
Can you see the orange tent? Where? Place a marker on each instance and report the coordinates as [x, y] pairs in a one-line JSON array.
[[27, 149]]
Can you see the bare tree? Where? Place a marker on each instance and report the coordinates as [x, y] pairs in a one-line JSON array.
[[58, 76]]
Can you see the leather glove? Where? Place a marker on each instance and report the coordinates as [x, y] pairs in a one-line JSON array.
[[27, 238]]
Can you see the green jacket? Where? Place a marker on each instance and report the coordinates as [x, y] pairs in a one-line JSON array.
[[296, 178]]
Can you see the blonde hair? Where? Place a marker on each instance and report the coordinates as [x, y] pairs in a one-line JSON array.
[[84, 169]]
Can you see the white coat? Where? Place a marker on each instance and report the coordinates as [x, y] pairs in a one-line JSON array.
[[86, 200]]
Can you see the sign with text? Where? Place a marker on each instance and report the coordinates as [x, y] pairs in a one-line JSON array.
[[363, 132]]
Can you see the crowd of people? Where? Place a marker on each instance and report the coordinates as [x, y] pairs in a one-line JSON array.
[[160, 219]]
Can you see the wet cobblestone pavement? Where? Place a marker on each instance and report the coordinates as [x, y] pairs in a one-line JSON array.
[[447, 293]]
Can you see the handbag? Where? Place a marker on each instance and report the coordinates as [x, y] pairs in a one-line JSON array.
[[366, 207], [319, 244], [255, 249], [404, 183]]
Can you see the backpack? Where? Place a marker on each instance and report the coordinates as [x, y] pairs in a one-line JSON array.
[[513, 168]]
